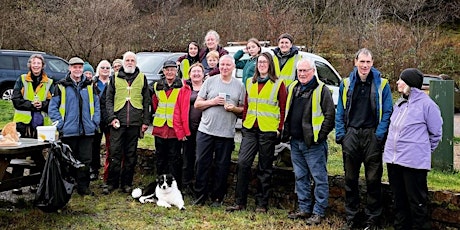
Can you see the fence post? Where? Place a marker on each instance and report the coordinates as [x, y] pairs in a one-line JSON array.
[[442, 92]]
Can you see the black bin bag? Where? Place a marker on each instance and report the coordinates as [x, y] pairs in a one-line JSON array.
[[57, 182]]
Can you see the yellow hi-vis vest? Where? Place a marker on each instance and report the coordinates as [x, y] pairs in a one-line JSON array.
[[346, 86], [287, 74], [63, 100], [126, 93], [263, 106], [184, 67], [29, 94], [165, 108], [317, 116]]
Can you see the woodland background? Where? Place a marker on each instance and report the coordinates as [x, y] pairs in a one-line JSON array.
[[400, 33]]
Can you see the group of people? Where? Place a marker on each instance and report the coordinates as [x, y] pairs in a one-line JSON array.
[[195, 106]]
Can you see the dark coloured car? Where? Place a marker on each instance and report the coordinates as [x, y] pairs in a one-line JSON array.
[[151, 63], [431, 77], [13, 63]]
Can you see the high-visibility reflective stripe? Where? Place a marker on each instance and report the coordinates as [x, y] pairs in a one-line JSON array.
[[184, 67], [346, 86], [263, 106], [165, 109], [287, 74], [124, 92], [29, 94], [316, 112], [63, 100]]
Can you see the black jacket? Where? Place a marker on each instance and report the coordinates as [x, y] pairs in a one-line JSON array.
[[328, 109]]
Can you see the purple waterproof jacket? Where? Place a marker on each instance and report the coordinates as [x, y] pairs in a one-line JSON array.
[[415, 131]]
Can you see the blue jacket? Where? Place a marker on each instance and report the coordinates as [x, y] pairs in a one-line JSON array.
[[248, 65], [415, 131], [341, 118], [77, 120]]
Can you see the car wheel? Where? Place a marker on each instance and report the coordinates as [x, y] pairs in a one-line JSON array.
[[7, 93]]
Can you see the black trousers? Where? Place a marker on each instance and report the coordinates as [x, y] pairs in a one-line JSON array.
[[410, 194], [123, 146], [212, 151], [82, 150], [96, 159], [169, 159], [189, 156], [360, 146], [255, 141]]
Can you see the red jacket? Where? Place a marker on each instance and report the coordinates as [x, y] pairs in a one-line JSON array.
[[165, 131], [181, 112]]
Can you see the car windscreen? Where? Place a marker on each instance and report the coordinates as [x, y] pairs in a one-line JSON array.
[[326, 74], [149, 64], [426, 80], [57, 65]]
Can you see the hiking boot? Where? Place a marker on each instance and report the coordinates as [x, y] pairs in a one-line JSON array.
[[235, 207], [85, 192], [126, 189], [200, 200], [107, 190], [298, 215], [216, 203], [315, 219], [371, 225], [348, 225]]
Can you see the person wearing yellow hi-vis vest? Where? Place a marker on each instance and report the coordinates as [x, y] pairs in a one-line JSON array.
[[167, 146], [285, 58], [75, 110], [127, 104], [31, 96], [310, 115], [186, 61], [263, 119], [363, 116]]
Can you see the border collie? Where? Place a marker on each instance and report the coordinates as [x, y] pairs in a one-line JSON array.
[[163, 191]]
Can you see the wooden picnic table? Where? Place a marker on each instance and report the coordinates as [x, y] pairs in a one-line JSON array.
[[14, 156]]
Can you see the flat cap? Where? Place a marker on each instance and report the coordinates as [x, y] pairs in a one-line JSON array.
[[75, 61]]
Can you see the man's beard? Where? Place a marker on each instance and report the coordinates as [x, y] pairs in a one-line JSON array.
[[129, 69]]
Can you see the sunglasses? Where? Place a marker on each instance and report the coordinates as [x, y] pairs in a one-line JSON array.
[[103, 67]]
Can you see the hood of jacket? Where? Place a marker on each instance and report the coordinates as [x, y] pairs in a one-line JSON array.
[[293, 51]]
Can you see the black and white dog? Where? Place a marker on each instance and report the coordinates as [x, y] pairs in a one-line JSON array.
[[163, 191]]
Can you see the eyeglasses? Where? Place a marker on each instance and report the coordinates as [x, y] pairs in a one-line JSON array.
[[262, 62], [105, 67]]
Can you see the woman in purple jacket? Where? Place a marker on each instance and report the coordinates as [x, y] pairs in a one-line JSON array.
[[414, 133]]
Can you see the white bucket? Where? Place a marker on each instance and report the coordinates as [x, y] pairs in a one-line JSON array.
[[47, 133]]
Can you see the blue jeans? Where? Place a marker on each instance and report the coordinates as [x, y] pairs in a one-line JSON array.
[[310, 163]]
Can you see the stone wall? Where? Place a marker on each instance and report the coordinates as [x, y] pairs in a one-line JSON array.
[[444, 206]]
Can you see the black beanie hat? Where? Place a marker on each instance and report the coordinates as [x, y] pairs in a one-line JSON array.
[[412, 77]]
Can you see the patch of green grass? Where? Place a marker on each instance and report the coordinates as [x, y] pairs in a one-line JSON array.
[[7, 112], [119, 211]]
